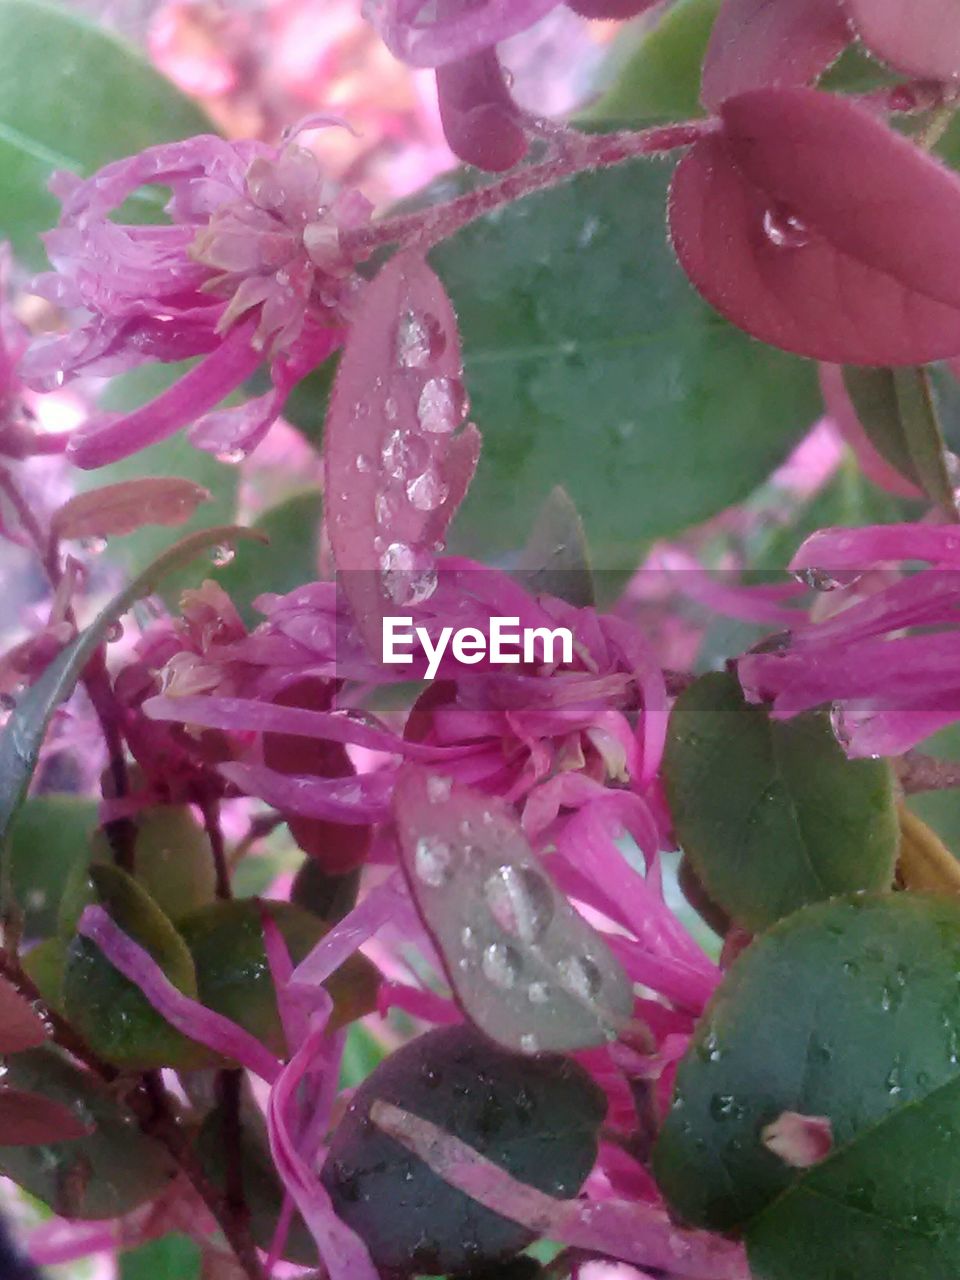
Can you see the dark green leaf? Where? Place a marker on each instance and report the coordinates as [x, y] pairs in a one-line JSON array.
[[848, 1010], [105, 1175], [286, 559], [899, 414], [174, 1257], [941, 809], [536, 1117], [593, 364], [48, 839], [771, 813], [661, 79], [72, 97], [556, 559], [24, 732]]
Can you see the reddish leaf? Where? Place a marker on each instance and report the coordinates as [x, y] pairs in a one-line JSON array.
[[125, 507], [525, 966], [815, 228], [397, 466], [480, 119], [29, 1119], [921, 37], [20, 1027], [770, 42]]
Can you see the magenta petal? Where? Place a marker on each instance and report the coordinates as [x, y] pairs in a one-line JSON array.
[[104, 441], [360, 799], [862, 549], [468, 29], [921, 37], [815, 228], [397, 465], [188, 1016], [770, 42], [380, 906]]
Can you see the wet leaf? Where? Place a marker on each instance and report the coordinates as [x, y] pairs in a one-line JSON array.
[[109, 1011], [536, 1117], [122, 508], [44, 965], [30, 1119], [20, 1027], [397, 462], [756, 43], [524, 965], [104, 1175], [48, 842], [898, 411], [847, 1010], [23, 735], [556, 559], [772, 814], [837, 246], [233, 976]]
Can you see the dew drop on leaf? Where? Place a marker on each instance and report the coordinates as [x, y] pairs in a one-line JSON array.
[[501, 964], [433, 861], [420, 340], [442, 405], [784, 229]]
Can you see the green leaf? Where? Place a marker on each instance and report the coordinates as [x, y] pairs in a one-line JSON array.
[[174, 1257], [48, 839], [24, 732], [771, 813], [593, 364], [362, 1052], [173, 457], [105, 1175], [661, 79], [848, 1010], [72, 97], [941, 809], [899, 413], [556, 559], [286, 558]]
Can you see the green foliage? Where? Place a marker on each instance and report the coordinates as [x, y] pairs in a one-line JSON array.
[[771, 813], [48, 839], [72, 97], [848, 1010], [174, 1257]]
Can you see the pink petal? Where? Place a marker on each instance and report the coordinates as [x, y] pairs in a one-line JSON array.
[[799, 1141], [467, 28], [862, 549], [816, 228], [921, 37], [30, 1119], [106, 440], [188, 1016], [395, 470], [20, 1027], [380, 906], [356, 799], [770, 42], [632, 1232], [122, 508]]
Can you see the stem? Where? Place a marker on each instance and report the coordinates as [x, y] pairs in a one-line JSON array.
[[580, 153], [211, 823]]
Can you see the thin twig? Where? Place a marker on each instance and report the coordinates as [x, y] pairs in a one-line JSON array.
[[210, 808]]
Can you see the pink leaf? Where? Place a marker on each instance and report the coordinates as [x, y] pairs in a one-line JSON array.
[[524, 965], [921, 37], [814, 227], [396, 466], [29, 1119], [634, 1232], [480, 120], [123, 508], [770, 42], [20, 1027], [799, 1141]]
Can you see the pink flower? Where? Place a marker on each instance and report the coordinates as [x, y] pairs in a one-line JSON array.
[[887, 658], [249, 271]]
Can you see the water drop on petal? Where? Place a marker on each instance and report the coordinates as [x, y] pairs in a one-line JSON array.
[[427, 491], [785, 229], [420, 340], [433, 861], [221, 554], [442, 405]]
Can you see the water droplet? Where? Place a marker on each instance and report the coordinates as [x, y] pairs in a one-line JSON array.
[[221, 554], [232, 457], [420, 340], [528, 1043], [114, 632], [722, 1106], [442, 405], [784, 229], [427, 491], [363, 462], [820, 579], [468, 939], [520, 901], [388, 506], [93, 546], [580, 976], [838, 723], [538, 993], [438, 788], [405, 455], [433, 861], [501, 964], [406, 580]]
